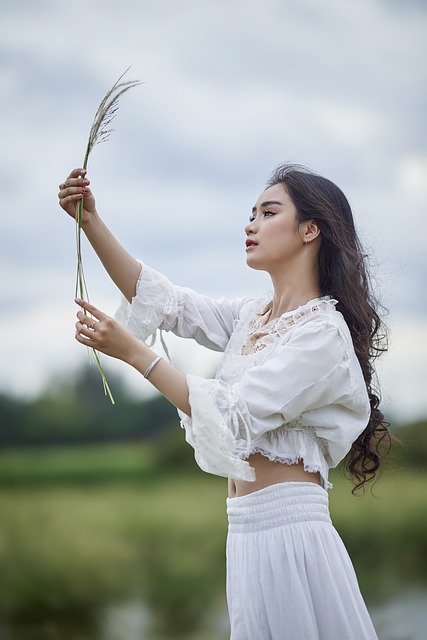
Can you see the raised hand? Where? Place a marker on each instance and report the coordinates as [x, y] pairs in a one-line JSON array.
[[75, 187]]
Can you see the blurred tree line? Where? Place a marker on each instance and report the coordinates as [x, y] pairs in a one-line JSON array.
[[76, 412]]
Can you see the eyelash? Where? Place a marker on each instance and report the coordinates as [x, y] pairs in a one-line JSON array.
[[270, 213]]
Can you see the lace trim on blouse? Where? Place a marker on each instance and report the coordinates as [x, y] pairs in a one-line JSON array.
[[262, 331], [155, 308], [290, 444]]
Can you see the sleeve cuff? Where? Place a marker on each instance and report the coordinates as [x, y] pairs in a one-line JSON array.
[[153, 307], [210, 433]]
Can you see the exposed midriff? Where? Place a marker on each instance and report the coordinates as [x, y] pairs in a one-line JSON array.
[[267, 473]]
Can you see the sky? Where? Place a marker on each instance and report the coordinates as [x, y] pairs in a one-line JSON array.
[[230, 90]]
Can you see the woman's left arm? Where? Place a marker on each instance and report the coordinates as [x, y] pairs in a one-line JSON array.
[[97, 330]]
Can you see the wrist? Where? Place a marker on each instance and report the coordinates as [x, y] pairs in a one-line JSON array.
[[92, 221], [151, 366], [139, 356]]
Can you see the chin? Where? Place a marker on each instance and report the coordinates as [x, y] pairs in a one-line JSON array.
[[255, 265]]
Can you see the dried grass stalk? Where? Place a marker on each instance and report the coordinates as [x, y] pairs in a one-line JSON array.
[[100, 132]]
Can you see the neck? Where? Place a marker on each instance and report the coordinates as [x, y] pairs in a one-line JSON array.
[[293, 290]]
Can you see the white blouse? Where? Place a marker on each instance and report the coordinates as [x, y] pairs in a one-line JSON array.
[[291, 389]]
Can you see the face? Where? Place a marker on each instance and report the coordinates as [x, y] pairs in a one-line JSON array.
[[273, 238]]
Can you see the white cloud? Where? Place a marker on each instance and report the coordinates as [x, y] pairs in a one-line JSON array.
[[404, 386], [413, 175], [349, 123]]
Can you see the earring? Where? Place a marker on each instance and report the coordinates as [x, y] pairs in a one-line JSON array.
[[305, 241]]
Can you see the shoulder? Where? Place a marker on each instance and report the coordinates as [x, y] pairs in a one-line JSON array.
[[324, 315], [317, 332], [318, 316]]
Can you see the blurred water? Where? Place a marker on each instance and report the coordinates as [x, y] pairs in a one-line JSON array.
[[403, 618], [130, 621]]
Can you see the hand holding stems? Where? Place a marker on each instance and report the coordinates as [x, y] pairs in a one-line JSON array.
[[74, 189], [97, 330]]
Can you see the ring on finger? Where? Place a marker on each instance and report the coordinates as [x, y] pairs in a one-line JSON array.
[[92, 326]]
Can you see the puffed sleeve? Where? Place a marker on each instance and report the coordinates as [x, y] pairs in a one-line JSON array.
[[158, 304], [312, 377]]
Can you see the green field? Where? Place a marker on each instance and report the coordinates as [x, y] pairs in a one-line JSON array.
[[84, 528]]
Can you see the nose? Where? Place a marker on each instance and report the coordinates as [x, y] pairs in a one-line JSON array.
[[249, 229]]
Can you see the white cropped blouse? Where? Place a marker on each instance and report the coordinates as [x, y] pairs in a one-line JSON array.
[[291, 388]]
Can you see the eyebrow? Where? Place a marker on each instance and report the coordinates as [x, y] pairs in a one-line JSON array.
[[267, 203]]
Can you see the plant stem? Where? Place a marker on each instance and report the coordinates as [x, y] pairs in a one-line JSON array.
[[99, 132], [81, 288]]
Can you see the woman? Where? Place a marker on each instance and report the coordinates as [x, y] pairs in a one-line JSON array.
[[292, 397]]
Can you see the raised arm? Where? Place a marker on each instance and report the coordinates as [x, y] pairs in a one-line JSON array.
[[122, 268]]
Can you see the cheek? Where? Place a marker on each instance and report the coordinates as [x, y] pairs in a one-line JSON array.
[[285, 232]]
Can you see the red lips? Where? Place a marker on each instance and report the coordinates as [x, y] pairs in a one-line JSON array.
[[250, 243]]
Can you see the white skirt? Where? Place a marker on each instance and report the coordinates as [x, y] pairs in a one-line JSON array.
[[289, 576]]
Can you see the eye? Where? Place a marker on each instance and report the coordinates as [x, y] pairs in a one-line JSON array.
[[268, 213], [251, 217]]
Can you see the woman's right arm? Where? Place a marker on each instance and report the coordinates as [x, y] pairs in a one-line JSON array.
[[122, 268]]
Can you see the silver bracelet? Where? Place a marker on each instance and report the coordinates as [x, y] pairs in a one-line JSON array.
[[151, 366]]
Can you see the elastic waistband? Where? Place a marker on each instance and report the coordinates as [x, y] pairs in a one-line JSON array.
[[277, 505]]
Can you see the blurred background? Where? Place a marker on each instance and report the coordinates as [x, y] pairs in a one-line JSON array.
[[107, 529]]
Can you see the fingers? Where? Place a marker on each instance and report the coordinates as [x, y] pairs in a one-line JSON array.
[[89, 308], [75, 176], [84, 332], [77, 173], [75, 186], [86, 321], [93, 328], [98, 331], [86, 324]]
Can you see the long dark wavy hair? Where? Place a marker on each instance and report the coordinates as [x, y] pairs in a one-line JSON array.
[[344, 275]]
